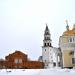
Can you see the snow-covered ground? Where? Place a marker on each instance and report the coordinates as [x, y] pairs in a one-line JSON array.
[[19, 72], [37, 72]]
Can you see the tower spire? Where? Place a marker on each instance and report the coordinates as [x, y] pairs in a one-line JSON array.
[[47, 32], [67, 27]]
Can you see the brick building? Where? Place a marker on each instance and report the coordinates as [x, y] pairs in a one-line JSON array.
[[19, 60]]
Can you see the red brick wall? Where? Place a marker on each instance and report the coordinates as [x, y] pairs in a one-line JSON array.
[[9, 62]]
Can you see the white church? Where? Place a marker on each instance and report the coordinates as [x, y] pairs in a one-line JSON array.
[[51, 56]]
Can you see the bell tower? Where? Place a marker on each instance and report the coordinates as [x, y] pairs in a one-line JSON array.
[[47, 48]]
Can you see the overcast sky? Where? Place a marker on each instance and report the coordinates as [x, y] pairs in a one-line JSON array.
[[22, 24]]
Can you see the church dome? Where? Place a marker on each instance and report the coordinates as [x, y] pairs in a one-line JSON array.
[[70, 32]]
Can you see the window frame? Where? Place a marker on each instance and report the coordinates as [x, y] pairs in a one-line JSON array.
[[73, 60], [18, 61]]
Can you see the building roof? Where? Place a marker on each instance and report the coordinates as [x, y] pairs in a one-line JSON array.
[[17, 54]]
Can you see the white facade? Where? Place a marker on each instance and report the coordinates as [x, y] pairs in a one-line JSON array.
[[49, 53], [47, 56]]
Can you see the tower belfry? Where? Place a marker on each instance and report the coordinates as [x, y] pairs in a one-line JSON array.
[[47, 37], [49, 53]]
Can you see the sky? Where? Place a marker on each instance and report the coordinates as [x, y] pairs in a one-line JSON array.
[[22, 24]]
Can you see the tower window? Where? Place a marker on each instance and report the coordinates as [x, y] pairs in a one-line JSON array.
[[48, 44], [44, 44], [45, 49], [45, 60], [50, 53], [51, 56], [45, 38]]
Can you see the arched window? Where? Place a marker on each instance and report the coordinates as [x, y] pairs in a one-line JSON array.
[[44, 44], [48, 44]]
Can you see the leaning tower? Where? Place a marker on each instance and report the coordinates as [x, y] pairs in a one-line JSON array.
[[46, 48]]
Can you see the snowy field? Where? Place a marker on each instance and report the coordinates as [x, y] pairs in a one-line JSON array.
[[37, 72]]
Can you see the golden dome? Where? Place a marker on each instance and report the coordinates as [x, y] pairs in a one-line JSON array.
[[69, 33]]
